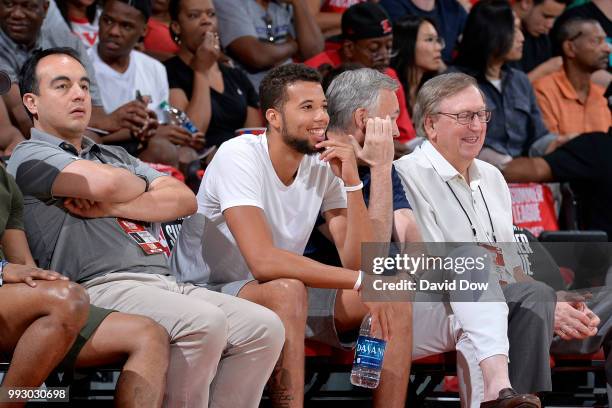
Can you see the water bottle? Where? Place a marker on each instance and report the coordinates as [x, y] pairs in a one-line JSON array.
[[178, 117], [369, 354]]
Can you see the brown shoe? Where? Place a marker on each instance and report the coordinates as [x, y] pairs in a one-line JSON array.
[[508, 398]]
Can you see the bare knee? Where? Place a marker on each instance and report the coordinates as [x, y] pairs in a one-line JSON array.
[[288, 298], [68, 302]]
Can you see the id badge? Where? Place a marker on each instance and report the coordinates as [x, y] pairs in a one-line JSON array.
[[497, 255], [143, 238]]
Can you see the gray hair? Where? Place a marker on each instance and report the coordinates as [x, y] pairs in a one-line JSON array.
[[434, 91], [352, 90]]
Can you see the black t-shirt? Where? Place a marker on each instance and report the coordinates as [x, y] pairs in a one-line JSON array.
[[585, 162], [536, 50], [229, 109]]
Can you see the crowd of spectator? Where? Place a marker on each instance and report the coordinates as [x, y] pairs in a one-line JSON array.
[[315, 126]]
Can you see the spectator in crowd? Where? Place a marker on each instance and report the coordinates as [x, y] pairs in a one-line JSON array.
[[76, 222], [571, 103], [537, 19], [257, 206], [367, 37], [600, 10], [47, 323], [328, 14], [457, 198], [83, 17], [585, 163], [418, 54], [261, 34], [449, 17], [491, 39], [23, 32], [10, 136], [217, 97], [355, 98], [158, 41], [128, 75]]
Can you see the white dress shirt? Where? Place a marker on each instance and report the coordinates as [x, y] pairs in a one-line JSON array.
[[486, 215]]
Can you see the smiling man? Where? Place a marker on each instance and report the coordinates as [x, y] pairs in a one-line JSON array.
[[257, 206]]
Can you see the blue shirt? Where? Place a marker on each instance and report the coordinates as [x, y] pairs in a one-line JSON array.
[[516, 122], [321, 249], [449, 16]]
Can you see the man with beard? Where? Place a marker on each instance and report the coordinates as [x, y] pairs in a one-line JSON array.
[[257, 206], [367, 39]]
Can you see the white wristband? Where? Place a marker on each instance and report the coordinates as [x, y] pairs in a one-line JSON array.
[[358, 281], [354, 188]]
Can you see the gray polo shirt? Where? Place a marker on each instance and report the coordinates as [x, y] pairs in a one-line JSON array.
[[79, 248], [54, 33]]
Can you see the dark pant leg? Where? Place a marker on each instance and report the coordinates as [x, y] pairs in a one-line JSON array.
[[530, 332]]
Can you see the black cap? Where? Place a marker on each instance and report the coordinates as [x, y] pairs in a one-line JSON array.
[[365, 20], [5, 82]]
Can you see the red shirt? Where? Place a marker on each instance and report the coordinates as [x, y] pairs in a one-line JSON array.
[[158, 38], [338, 6], [404, 122]]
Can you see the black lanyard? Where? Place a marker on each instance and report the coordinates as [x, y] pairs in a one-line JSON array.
[[468, 217]]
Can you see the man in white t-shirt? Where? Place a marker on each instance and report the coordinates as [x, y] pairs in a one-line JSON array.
[[127, 75], [257, 206]]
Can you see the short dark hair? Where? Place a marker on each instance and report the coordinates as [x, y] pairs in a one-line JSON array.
[[273, 88], [144, 6], [569, 29], [28, 81], [488, 33]]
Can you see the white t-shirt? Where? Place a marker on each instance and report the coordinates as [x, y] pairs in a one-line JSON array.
[[86, 31], [144, 74], [241, 174]]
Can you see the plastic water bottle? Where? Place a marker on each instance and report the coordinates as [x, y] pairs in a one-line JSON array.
[[369, 354], [178, 117]]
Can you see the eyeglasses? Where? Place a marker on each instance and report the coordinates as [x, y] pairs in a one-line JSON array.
[[439, 40], [465, 118]]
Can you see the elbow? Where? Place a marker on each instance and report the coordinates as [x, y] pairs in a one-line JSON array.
[[261, 268], [311, 50]]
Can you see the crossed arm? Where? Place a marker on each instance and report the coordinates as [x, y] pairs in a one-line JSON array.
[[95, 190]]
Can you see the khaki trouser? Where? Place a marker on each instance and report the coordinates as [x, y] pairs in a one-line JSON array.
[[223, 348]]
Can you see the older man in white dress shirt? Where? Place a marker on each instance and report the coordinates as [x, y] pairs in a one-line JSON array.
[[457, 198]]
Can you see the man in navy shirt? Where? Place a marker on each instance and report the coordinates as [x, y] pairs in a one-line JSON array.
[[357, 100]]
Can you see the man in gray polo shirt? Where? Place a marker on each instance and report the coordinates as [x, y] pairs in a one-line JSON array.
[[263, 34], [79, 196]]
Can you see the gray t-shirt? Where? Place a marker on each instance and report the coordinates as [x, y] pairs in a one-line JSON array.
[[54, 33], [79, 248], [246, 18]]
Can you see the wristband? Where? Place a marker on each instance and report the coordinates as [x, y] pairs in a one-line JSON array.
[[3, 263], [354, 188], [358, 281]]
